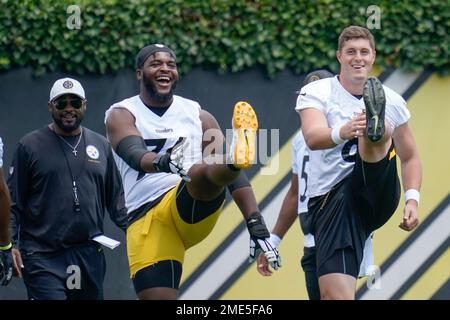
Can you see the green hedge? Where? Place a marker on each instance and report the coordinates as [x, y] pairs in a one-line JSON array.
[[225, 35]]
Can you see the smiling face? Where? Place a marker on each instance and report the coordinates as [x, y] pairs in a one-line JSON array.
[[67, 112], [158, 78], [356, 58]]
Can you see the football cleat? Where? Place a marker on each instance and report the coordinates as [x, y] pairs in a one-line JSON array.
[[375, 102], [245, 125]]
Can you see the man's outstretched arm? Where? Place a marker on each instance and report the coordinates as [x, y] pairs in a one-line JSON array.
[[319, 136], [128, 143], [411, 174], [289, 209], [260, 242]]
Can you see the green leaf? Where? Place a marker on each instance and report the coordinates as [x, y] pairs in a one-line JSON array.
[[222, 35]]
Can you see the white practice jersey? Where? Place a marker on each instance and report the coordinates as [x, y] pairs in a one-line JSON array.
[[182, 119], [300, 165], [330, 166]]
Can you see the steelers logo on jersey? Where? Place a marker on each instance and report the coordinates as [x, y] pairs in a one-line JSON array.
[[92, 152]]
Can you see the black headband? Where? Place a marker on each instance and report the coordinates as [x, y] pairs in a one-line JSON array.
[[147, 51]]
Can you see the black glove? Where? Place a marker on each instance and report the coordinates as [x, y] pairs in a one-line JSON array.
[[172, 160], [6, 266], [260, 241]]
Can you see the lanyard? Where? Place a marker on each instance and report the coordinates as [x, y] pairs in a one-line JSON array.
[[76, 201]]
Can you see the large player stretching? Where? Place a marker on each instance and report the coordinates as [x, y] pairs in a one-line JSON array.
[[174, 194]]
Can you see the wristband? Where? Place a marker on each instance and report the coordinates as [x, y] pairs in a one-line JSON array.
[[275, 240], [7, 247], [412, 194], [335, 136]]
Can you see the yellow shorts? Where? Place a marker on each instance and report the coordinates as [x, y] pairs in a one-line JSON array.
[[162, 235]]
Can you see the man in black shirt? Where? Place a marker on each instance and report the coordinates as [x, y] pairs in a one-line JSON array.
[[62, 180]]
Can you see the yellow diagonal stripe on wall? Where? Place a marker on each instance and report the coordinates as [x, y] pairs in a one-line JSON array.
[[430, 282], [430, 111], [231, 216]]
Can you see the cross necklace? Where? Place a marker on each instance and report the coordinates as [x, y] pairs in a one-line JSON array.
[[76, 201], [74, 148]]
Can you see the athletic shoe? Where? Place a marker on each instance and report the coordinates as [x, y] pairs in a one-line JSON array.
[[245, 125], [375, 102]]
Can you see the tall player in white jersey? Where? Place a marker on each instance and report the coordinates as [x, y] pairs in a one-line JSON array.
[[295, 204], [351, 124], [174, 191]]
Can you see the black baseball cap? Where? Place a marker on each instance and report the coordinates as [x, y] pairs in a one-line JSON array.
[[147, 51]]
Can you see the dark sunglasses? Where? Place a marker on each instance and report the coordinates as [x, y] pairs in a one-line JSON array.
[[62, 104]]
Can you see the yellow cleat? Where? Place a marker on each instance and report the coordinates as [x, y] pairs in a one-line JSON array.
[[245, 125]]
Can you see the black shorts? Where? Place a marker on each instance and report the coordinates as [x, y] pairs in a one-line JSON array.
[[192, 210], [75, 274], [346, 215], [166, 274], [308, 263]]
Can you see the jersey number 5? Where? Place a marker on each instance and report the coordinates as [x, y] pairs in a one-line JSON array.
[[304, 176]]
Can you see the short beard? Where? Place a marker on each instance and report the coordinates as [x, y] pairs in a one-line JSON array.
[[164, 99], [63, 127]]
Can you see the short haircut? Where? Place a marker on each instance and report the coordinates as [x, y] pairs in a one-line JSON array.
[[355, 32]]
